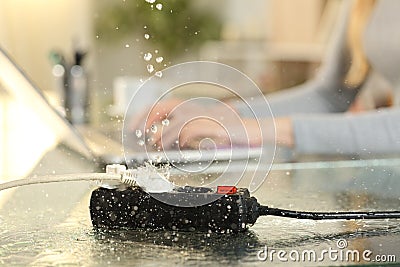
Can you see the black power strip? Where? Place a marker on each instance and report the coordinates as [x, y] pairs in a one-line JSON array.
[[134, 208], [229, 210]]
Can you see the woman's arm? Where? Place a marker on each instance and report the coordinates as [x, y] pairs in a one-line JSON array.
[[323, 94], [363, 133]]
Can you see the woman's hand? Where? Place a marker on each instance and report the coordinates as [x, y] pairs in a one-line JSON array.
[[157, 114], [245, 133], [190, 124], [229, 131]]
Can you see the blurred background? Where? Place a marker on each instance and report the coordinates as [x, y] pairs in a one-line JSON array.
[[91, 56], [278, 43]]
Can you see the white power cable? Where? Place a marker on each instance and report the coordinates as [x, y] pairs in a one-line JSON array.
[[115, 173], [61, 178]]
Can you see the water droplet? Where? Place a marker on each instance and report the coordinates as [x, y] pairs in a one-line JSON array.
[[146, 36], [153, 128], [127, 45], [150, 1], [147, 56], [138, 133], [158, 158], [156, 51], [159, 59], [140, 142], [158, 74], [165, 122], [150, 68], [159, 6]]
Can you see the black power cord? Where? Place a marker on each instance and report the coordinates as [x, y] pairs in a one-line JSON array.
[[340, 215]]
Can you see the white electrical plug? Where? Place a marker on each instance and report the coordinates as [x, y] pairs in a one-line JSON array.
[[151, 179]]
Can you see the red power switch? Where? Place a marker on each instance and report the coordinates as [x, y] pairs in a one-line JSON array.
[[226, 190]]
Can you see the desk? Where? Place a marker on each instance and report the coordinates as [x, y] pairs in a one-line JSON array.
[[50, 224]]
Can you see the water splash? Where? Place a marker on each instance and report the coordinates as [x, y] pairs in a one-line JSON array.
[[153, 128], [158, 74], [159, 6], [147, 56], [150, 68], [158, 158], [159, 59], [165, 122], [152, 178]]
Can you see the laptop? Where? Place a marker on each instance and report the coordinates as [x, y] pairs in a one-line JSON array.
[[106, 144]]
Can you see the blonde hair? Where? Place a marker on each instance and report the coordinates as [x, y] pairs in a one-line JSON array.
[[359, 65]]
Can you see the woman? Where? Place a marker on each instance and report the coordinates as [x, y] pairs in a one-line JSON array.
[[326, 115]]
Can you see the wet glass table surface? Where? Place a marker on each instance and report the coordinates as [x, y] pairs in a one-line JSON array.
[[50, 224]]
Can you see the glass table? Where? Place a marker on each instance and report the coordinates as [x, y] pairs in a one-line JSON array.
[[50, 224]]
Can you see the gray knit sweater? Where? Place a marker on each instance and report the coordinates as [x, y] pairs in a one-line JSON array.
[[316, 107]]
